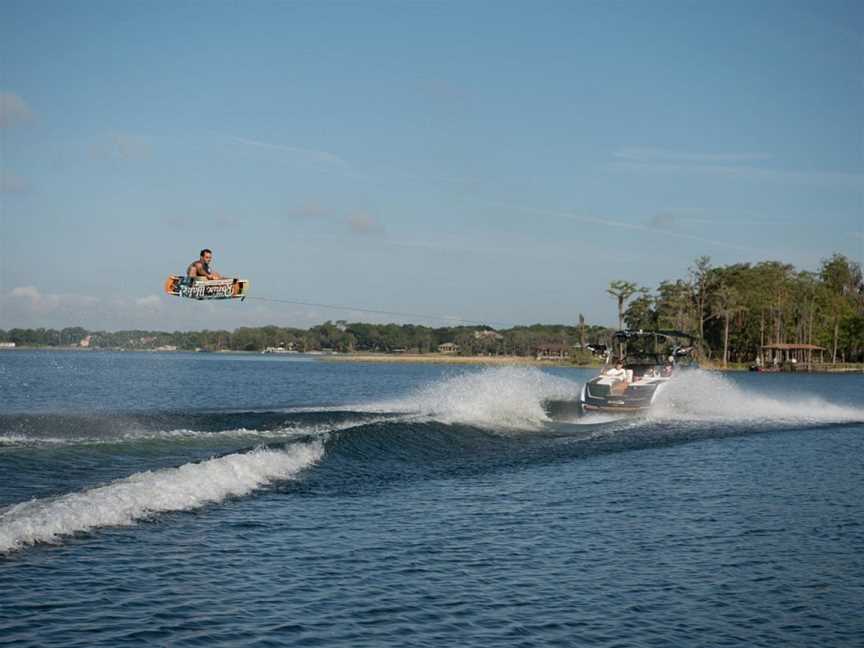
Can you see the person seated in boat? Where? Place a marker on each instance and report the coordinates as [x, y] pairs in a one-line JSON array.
[[200, 269], [617, 378], [617, 372], [650, 373]]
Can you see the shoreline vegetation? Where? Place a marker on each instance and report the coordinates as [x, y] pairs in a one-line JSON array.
[[436, 358], [433, 358], [427, 358], [766, 316]]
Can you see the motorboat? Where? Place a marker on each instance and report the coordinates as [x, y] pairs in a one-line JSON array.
[[639, 366]]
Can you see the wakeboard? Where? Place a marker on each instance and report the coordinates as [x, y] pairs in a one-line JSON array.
[[195, 288]]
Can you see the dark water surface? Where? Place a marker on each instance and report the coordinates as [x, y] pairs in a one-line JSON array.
[[183, 499]]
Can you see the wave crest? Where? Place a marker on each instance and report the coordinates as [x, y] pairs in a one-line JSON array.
[[139, 496]]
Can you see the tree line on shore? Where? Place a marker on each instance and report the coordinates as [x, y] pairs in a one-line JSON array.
[[737, 309], [733, 310], [338, 336]]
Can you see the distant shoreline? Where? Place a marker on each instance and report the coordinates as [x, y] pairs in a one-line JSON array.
[[443, 358], [426, 358], [380, 358]]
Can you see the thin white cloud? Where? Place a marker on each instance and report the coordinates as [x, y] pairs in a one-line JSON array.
[[651, 155], [32, 300], [31, 292], [724, 221], [312, 154], [29, 307], [664, 220], [470, 246], [13, 110], [668, 219], [845, 179], [449, 247], [606, 222]]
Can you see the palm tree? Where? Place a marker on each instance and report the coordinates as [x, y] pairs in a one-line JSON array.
[[622, 291], [583, 339]]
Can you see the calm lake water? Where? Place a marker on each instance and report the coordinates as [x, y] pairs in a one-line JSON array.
[[224, 500]]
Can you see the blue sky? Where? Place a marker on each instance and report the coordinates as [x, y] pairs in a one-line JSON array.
[[492, 161]]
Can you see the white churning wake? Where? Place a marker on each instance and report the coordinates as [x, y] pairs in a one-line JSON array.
[[494, 398], [702, 395], [513, 398], [283, 433], [144, 494]]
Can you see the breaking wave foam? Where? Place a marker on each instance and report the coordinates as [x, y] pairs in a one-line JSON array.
[[494, 398], [700, 395], [142, 495]]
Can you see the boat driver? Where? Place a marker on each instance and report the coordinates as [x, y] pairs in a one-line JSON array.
[[200, 269]]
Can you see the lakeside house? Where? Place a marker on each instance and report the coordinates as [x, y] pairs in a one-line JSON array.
[[7, 345], [553, 352], [281, 349], [793, 357], [448, 347], [776, 354]]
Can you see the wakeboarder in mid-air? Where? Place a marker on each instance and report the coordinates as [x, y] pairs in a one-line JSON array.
[[202, 282], [201, 267]]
